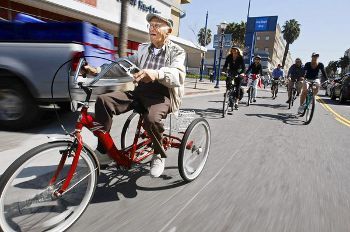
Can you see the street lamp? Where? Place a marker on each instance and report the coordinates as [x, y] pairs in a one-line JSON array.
[[223, 26]]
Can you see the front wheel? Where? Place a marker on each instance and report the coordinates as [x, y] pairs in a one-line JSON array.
[[27, 199], [225, 103], [309, 110], [194, 149]]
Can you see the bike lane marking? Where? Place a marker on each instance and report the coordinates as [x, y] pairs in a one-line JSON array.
[[337, 116]]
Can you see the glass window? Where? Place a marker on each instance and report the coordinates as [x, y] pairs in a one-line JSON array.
[[267, 37], [266, 49], [258, 38]]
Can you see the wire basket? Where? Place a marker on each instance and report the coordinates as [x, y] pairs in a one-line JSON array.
[[180, 122]]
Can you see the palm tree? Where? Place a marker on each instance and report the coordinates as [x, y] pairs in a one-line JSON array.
[[201, 36], [291, 32], [123, 30]]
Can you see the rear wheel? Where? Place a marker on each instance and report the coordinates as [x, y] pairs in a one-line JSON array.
[[27, 200], [18, 109], [194, 149], [129, 131]]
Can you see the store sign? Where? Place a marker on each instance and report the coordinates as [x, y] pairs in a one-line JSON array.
[[142, 6]]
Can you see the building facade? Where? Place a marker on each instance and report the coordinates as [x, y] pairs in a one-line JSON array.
[[105, 14], [271, 45]]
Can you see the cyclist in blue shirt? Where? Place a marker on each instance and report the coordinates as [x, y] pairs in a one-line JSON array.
[[277, 75]]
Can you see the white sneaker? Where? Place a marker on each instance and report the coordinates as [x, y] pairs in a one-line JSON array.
[[103, 159], [301, 109], [157, 165]]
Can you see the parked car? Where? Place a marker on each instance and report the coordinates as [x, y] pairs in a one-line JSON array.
[[333, 88], [341, 89]]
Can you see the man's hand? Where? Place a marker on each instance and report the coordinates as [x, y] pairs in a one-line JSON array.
[[87, 69], [146, 75]]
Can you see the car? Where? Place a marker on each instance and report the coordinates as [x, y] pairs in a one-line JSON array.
[[340, 88], [344, 93], [333, 89]]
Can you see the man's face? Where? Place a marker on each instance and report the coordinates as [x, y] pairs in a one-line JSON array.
[[158, 31], [314, 58], [298, 63], [257, 61]]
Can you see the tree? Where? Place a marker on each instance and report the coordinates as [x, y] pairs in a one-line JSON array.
[[343, 63], [291, 32], [332, 68], [123, 30], [201, 37], [238, 33]]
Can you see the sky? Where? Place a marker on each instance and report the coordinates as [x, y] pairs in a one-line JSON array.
[[324, 23]]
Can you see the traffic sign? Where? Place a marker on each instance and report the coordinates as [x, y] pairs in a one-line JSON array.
[[227, 41]]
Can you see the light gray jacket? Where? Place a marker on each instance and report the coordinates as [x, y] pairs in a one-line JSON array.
[[172, 75]]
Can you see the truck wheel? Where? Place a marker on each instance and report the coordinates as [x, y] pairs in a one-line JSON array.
[[18, 109]]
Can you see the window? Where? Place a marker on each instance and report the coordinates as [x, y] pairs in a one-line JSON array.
[[266, 49], [256, 49], [258, 38], [267, 37]]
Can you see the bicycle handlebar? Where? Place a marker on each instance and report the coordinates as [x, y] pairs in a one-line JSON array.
[[132, 69]]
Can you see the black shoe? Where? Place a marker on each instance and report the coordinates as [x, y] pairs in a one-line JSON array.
[[254, 100], [236, 106], [288, 101]]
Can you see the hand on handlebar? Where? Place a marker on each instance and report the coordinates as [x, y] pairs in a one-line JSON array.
[[146, 76], [87, 69]]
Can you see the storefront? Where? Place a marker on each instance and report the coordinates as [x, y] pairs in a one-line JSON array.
[[105, 14]]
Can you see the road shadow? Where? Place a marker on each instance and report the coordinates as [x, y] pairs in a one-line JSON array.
[[112, 182], [209, 113], [286, 118]]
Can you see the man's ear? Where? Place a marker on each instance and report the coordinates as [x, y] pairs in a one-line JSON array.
[[170, 30]]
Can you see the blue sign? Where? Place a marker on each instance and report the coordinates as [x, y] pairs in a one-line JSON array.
[[261, 24], [226, 43], [257, 24]]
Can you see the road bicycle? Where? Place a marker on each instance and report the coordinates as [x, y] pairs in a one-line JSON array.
[[49, 187], [293, 94], [310, 103]]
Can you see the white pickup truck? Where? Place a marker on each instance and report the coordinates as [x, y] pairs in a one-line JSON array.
[[26, 73]]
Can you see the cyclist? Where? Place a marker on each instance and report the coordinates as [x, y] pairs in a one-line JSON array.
[[277, 75], [159, 90], [256, 69], [312, 70], [234, 62], [295, 74]]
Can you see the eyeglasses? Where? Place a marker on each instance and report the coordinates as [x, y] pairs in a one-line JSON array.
[[155, 25]]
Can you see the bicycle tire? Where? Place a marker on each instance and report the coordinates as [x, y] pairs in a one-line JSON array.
[[309, 113], [192, 143], [226, 103], [249, 95], [11, 214]]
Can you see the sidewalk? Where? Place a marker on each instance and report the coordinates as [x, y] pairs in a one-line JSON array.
[[191, 88]]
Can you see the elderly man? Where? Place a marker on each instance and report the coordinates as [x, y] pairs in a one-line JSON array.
[[159, 90]]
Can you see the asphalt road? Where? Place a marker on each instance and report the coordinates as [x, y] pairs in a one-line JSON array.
[[266, 172]]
